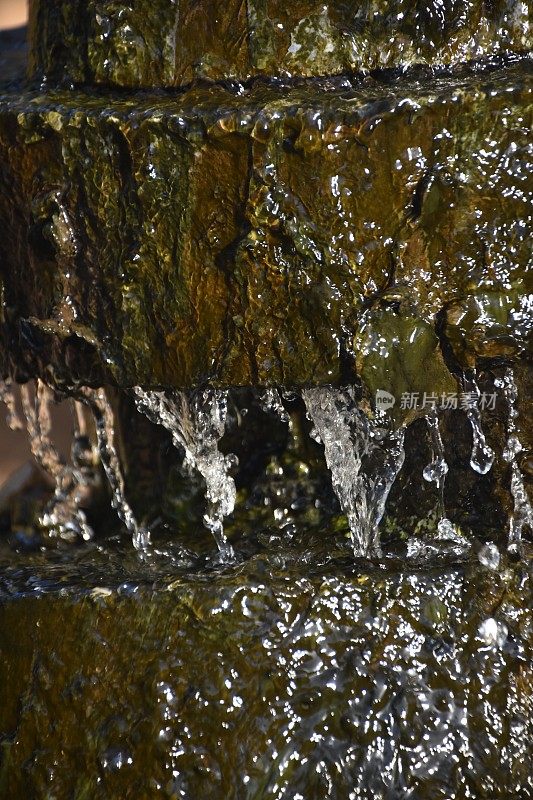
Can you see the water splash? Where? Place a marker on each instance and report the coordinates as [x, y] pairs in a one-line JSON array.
[[349, 439], [197, 425], [7, 396], [71, 483], [104, 420], [482, 456], [523, 512]]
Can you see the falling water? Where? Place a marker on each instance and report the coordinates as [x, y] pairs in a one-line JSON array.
[[437, 469], [349, 437], [63, 513], [104, 420], [7, 396], [435, 472], [482, 456], [197, 425], [523, 512]]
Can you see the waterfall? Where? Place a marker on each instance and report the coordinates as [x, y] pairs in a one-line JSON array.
[[197, 425], [350, 439]]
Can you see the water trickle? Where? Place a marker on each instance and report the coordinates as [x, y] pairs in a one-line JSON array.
[[104, 421], [7, 396], [482, 456], [197, 425], [63, 513], [364, 461], [523, 512], [435, 472]]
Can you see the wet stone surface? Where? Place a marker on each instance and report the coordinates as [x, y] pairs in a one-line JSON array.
[[292, 674], [172, 42], [280, 235]]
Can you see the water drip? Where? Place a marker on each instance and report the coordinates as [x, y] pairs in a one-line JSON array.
[[197, 425], [523, 512], [104, 420], [349, 437], [7, 396], [482, 456], [63, 513]]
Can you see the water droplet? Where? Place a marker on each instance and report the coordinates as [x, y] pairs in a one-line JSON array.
[[489, 556]]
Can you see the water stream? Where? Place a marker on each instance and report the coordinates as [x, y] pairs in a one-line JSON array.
[[62, 514], [363, 454], [197, 425], [351, 442], [104, 420], [523, 512]]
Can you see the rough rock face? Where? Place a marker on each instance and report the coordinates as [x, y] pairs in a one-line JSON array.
[[280, 235], [171, 42], [266, 683]]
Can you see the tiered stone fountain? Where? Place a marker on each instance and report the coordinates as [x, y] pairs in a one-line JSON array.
[[221, 216]]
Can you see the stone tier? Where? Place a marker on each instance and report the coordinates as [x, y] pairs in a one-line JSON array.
[[265, 683], [279, 235], [150, 43]]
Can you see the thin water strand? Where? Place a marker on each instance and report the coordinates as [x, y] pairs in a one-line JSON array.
[[197, 424], [522, 512], [348, 438], [62, 513], [104, 420], [437, 469], [482, 456], [7, 396]]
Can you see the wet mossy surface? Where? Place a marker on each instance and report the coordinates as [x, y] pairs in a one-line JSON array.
[[292, 674], [173, 42], [271, 236]]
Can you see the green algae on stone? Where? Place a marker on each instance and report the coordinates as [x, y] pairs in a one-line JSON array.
[[151, 43], [265, 682], [236, 238]]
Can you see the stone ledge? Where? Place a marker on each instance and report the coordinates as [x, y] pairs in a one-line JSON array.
[[204, 687], [172, 42], [265, 237]]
